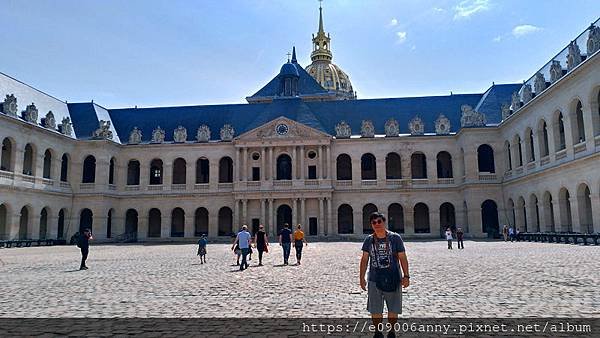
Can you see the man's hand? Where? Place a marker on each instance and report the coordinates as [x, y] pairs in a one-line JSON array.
[[405, 282], [363, 284]]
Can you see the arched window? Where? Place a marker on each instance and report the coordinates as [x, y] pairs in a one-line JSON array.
[[6, 160], [47, 171], [444, 165], [550, 225], [133, 172], [345, 218], [111, 171], [485, 159], [131, 223], [367, 210], [577, 124], [529, 143], [43, 231], [284, 167], [508, 155], [564, 203], [61, 224], [156, 172], [344, 167], [86, 219], [64, 168], [489, 218], [177, 222], [201, 222], [543, 138], [154, 223], [368, 167], [393, 169], [4, 231], [202, 171], [396, 218], [559, 132], [179, 171], [584, 203], [447, 218], [519, 151], [225, 170], [225, 221], [89, 170], [28, 160], [24, 223], [418, 166], [283, 215], [421, 218]]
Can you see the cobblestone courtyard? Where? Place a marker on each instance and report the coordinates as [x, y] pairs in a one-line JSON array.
[[484, 280]]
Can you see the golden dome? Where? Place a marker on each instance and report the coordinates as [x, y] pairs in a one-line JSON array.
[[326, 73]]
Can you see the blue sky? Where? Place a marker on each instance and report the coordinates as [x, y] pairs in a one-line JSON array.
[[156, 53]]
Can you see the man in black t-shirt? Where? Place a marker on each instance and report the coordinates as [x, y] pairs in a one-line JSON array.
[[285, 241], [84, 244], [385, 251]]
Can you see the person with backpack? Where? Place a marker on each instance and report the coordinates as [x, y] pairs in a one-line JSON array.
[[202, 248], [384, 253], [83, 242]]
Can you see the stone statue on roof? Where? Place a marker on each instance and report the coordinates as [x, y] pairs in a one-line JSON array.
[[367, 129], [471, 118], [158, 135], [227, 132], [342, 130], [539, 84], [203, 133], [442, 125], [9, 106], [180, 134], [135, 137], [416, 126], [50, 121], [527, 93], [593, 41], [392, 128], [556, 71], [515, 101], [31, 113], [574, 56], [66, 127], [103, 131]]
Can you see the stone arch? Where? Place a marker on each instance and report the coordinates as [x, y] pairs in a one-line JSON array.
[[86, 219], [177, 222], [112, 163], [62, 214], [595, 109], [4, 222], [284, 167], [179, 171], [25, 222], [201, 222], [543, 138], [225, 221], [521, 221], [447, 218], [444, 165], [154, 222], [284, 215], [489, 218], [485, 159], [393, 168], [43, 229], [89, 170], [345, 218], [508, 156], [47, 167], [109, 221], [131, 222], [396, 218], [548, 205], [558, 125], [577, 122], [65, 162], [133, 172], [202, 170], [368, 167], [226, 170], [343, 166], [564, 203], [584, 203], [418, 165], [534, 207], [156, 172], [6, 157], [367, 210], [421, 218], [29, 155], [529, 146]]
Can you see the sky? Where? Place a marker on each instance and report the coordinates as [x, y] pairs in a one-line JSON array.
[[173, 52]]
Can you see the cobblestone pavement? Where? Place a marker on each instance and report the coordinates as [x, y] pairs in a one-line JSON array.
[[487, 279]]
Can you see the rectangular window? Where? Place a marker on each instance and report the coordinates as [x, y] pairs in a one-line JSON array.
[[255, 173], [312, 172]]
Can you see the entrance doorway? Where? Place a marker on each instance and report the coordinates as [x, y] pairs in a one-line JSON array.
[[312, 226], [489, 219], [284, 215], [255, 224]]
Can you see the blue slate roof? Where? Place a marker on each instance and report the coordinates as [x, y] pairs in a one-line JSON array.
[[84, 119], [493, 98], [307, 85]]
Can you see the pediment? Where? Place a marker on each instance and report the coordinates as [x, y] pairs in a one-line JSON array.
[[282, 128]]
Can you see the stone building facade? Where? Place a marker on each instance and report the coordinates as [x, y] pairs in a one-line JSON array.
[[526, 155]]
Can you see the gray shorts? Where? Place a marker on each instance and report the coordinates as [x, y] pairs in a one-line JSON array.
[[375, 299]]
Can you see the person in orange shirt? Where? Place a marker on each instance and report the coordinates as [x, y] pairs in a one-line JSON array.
[[299, 242]]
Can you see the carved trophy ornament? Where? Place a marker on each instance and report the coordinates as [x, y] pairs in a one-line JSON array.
[[135, 137], [342, 130], [556, 71], [574, 56], [66, 127], [392, 128], [103, 131], [527, 93], [227, 132], [505, 111], [50, 121], [367, 129], [471, 118], [9, 106], [515, 101], [416, 126], [442, 125], [180, 134], [539, 84], [158, 135], [31, 113], [593, 42], [203, 133]]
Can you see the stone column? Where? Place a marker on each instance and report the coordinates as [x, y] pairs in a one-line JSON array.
[[589, 117], [321, 223], [167, 174], [380, 167], [434, 222], [327, 161], [236, 214], [213, 174], [332, 229], [263, 219], [263, 169], [213, 223], [271, 166], [190, 175], [537, 139], [303, 211], [38, 164], [595, 199], [144, 174], [142, 231], [189, 225], [558, 226], [575, 213], [99, 225], [551, 142], [34, 226], [544, 216], [272, 219], [165, 224], [245, 211], [567, 119], [302, 169], [518, 217], [409, 220], [320, 169], [294, 164], [531, 221], [236, 165], [475, 226], [55, 167], [244, 164], [358, 226], [101, 173], [295, 213], [471, 169]]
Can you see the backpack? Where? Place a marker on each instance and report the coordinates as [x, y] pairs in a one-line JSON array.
[[77, 239]]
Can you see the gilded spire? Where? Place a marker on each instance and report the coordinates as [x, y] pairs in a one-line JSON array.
[[321, 42]]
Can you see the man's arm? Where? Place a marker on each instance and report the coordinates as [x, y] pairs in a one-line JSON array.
[[364, 260], [280, 239], [404, 264], [237, 238]]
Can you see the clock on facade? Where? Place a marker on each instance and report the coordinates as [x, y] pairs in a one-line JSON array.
[[281, 129]]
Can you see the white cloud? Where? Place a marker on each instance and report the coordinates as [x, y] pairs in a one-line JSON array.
[[393, 22], [413, 47], [438, 9], [497, 39], [465, 9], [401, 37], [523, 30]]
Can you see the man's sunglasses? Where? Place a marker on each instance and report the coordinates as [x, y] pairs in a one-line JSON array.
[[377, 221]]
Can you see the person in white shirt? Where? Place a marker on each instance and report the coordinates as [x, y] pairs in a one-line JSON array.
[[449, 238], [243, 240]]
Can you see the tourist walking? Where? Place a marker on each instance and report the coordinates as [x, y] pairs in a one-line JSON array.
[[505, 232], [236, 249], [511, 233], [243, 240], [285, 241], [261, 243], [299, 241], [202, 242], [83, 242], [449, 238], [385, 252], [459, 238]]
